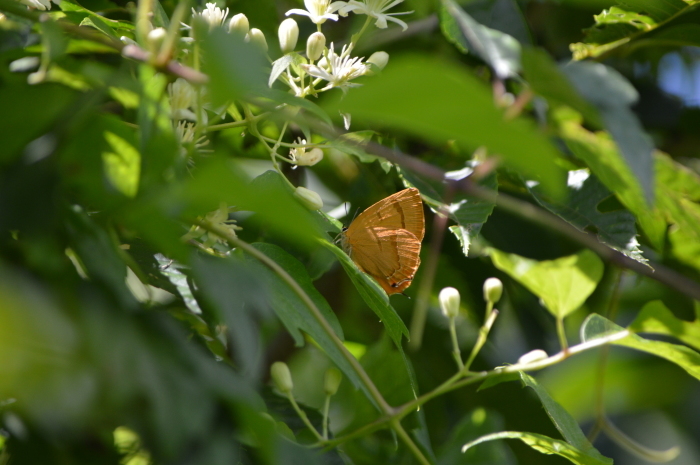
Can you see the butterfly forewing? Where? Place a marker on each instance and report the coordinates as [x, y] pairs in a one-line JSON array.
[[403, 210], [385, 240]]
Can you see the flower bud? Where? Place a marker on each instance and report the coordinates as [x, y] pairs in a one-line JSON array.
[[155, 38], [256, 36], [332, 380], [281, 377], [239, 25], [308, 198], [533, 356], [288, 34], [379, 60], [493, 289], [303, 158], [315, 46], [449, 302]]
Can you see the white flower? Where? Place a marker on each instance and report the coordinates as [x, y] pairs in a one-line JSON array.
[[213, 15], [301, 157], [338, 70], [318, 10], [40, 4], [375, 9]]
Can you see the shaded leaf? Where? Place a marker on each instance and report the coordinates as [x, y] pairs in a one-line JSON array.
[[373, 295], [564, 422], [612, 95], [501, 51], [410, 95], [603, 158], [476, 423], [615, 228]]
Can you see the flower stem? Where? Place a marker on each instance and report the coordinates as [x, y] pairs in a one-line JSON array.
[[303, 416]]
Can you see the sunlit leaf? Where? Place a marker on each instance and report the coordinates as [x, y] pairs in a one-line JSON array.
[[656, 318], [688, 359], [563, 284], [544, 445]]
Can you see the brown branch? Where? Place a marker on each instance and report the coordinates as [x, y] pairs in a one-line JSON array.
[[543, 218], [133, 52]]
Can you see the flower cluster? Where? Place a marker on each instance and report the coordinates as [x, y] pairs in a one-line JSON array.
[[308, 71]]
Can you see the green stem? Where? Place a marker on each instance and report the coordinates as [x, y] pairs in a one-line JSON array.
[[455, 345], [417, 453], [481, 339], [326, 408], [365, 380], [561, 333], [302, 415]]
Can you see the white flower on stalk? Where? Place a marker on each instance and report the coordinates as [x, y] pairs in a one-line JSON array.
[[375, 9], [301, 157], [212, 14], [318, 10], [338, 70], [40, 4], [184, 132]]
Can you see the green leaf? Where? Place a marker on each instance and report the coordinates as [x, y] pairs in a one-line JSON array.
[[544, 445], [563, 421], [688, 359], [547, 80], [20, 122], [563, 284], [656, 318], [613, 95], [678, 192], [122, 164], [634, 23], [172, 271], [373, 295], [615, 228], [501, 51], [410, 95], [294, 313], [603, 158], [99, 255]]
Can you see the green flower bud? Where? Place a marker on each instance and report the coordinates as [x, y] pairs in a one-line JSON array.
[[256, 36], [315, 46], [379, 59], [493, 289], [239, 25], [282, 377], [308, 198], [449, 302], [332, 380], [155, 39], [288, 34]]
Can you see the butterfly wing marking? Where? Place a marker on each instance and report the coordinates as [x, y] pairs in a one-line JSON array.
[[390, 256], [403, 210]]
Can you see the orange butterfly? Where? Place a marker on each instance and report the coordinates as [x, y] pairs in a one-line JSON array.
[[384, 240]]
